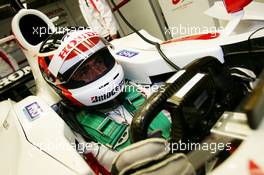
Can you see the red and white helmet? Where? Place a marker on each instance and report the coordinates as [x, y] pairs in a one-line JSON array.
[[79, 66]]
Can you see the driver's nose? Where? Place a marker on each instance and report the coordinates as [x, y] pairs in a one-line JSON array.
[[97, 70]]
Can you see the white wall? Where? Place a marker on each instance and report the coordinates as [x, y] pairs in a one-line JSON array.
[[187, 17], [139, 13]]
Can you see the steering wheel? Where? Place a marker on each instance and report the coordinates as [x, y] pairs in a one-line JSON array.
[[195, 97]]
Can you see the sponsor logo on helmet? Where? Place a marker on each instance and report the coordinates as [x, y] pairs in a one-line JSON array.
[[72, 44], [107, 95]]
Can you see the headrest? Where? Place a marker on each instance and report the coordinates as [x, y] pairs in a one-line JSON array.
[[31, 27]]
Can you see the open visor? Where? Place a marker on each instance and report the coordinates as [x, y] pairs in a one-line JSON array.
[[88, 70]]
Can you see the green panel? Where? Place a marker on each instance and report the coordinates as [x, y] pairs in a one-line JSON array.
[[110, 133]]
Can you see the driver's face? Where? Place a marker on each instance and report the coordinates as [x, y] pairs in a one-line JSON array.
[[90, 70]]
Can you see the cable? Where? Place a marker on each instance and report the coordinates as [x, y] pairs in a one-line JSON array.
[[249, 38], [156, 44]]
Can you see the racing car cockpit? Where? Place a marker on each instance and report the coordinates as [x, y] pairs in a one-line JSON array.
[[202, 120]]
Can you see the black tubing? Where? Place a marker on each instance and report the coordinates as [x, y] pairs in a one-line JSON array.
[[156, 44]]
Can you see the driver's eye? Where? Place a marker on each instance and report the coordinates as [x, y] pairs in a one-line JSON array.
[[99, 61], [84, 69]]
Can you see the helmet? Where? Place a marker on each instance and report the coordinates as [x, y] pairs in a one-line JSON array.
[[79, 66]]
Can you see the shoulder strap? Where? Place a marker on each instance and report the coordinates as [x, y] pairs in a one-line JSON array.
[[115, 135]]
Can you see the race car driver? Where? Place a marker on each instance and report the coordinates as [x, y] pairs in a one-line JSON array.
[[97, 103]]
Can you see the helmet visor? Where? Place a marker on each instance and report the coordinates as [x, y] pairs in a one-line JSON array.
[[90, 69]]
